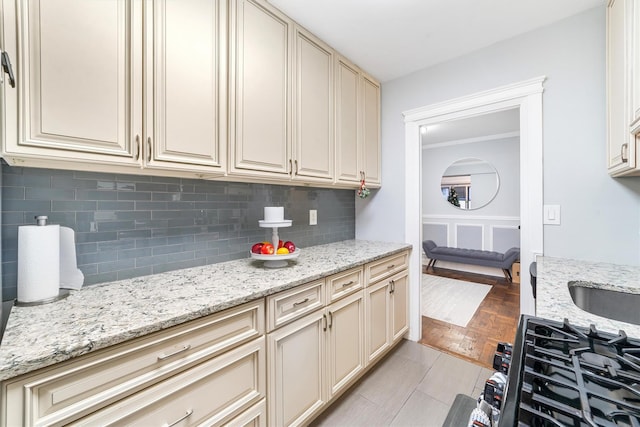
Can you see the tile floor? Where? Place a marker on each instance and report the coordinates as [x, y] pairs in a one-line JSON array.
[[413, 386]]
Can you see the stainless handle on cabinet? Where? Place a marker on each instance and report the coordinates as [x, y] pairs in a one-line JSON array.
[[290, 167], [137, 142], [330, 320], [349, 283], [324, 318], [624, 156], [166, 356], [149, 147], [184, 417], [301, 302], [392, 286], [390, 266], [296, 163]]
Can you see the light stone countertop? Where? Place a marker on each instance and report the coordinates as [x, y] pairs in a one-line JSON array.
[[103, 315], [554, 300]]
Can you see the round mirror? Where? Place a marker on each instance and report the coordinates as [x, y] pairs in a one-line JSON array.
[[469, 183]]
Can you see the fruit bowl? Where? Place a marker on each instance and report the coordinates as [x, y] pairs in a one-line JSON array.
[[276, 260]]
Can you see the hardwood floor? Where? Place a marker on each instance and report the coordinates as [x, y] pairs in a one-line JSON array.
[[495, 320]]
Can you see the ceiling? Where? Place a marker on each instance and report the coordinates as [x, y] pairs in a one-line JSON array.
[[392, 38], [504, 123]]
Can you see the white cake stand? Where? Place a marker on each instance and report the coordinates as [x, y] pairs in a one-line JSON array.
[[275, 260]]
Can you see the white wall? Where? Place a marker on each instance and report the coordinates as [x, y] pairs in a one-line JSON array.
[[600, 215]]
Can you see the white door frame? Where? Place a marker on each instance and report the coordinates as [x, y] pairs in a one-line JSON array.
[[527, 96]]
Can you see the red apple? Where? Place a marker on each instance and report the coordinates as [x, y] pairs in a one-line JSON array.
[[280, 244], [257, 248], [267, 249], [290, 246]]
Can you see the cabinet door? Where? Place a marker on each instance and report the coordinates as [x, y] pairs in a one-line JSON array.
[[295, 360], [186, 85], [371, 130], [399, 305], [377, 310], [313, 109], [260, 89], [348, 162], [78, 72], [345, 350], [621, 148], [635, 66]]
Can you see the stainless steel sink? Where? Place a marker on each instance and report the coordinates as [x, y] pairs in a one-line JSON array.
[[615, 305]]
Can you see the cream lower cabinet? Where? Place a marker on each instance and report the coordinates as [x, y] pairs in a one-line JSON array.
[[315, 358], [207, 371], [387, 315], [80, 69]]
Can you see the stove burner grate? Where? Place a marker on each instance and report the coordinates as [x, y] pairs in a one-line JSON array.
[[573, 377]]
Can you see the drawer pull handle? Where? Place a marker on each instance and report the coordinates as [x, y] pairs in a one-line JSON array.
[[390, 266], [300, 302], [324, 318], [149, 147], [181, 350], [348, 284], [392, 287], [330, 320], [184, 417]]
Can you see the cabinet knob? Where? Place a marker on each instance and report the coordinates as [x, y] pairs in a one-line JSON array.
[[624, 155]]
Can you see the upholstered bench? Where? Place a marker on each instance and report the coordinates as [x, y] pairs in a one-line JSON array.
[[471, 256]]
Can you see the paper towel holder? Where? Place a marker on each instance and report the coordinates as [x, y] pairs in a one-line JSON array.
[[41, 220]]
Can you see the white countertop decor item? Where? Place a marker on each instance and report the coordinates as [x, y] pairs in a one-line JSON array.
[[274, 219]]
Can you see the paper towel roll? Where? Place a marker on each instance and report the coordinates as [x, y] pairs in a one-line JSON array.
[[38, 262], [274, 214], [70, 276]]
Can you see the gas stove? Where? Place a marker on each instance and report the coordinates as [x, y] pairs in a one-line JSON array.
[[566, 375]]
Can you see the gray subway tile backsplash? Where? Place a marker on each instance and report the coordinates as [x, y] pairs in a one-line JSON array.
[[129, 226]]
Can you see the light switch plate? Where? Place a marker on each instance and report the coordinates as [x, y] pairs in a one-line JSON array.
[[552, 214], [313, 217]]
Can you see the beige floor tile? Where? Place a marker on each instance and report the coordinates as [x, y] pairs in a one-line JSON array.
[[353, 410], [421, 410], [391, 383], [419, 353], [448, 377]]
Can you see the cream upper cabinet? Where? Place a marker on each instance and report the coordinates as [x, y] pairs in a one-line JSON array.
[[80, 101], [623, 86], [78, 70], [186, 85], [313, 138], [370, 130], [357, 125], [260, 82], [348, 163]]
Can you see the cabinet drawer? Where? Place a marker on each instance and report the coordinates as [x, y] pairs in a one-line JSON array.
[[343, 284], [208, 394], [78, 387], [385, 267], [287, 306], [256, 416]]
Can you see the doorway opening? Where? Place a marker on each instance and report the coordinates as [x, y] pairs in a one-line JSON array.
[[470, 199], [527, 98]]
